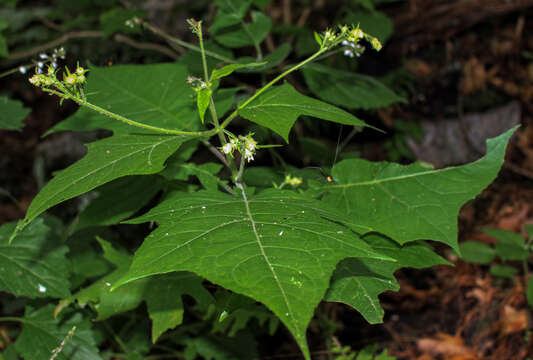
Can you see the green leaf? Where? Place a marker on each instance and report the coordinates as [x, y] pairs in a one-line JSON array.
[[503, 271], [347, 89], [509, 245], [106, 160], [271, 60], [156, 95], [114, 21], [213, 347], [262, 176], [206, 173], [476, 252], [411, 202], [278, 247], [85, 258], [42, 333], [228, 69], [163, 297], [202, 102], [162, 294], [358, 282], [374, 23], [3, 41], [236, 36], [237, 8], [234, 311], [261, 4], [9, 353], [34, 264], [11, 114], [367, 4], [279, 107], [118, 200], [529, 291]]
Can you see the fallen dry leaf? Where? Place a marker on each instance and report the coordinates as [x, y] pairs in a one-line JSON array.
[[513, 320], [445, 344]]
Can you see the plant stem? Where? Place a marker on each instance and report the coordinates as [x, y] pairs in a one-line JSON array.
[[118, 340], [12, 319], [267, 86], [180, 42], [239, 174], [140, 125], [256, 45], [212, 109]]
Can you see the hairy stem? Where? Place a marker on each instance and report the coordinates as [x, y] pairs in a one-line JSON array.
[[140, 125]]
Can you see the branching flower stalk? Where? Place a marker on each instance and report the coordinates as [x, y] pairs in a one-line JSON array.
[[71, 86]]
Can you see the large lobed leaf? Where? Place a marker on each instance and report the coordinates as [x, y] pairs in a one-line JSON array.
[[358, 282], [279, 107], [276, 247], [408, 203], [106, 160]]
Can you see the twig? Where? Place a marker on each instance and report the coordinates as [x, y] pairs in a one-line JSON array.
[[146, 46], [518, 170], [54, 44]]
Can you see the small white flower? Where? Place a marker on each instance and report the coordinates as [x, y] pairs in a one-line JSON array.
[[251, 144], [70, 80], [348, 53], [248, 155], [43, 56], [358, 34], [227, 148], [23, 70], [35, 80], [345, 42], [40, 64]]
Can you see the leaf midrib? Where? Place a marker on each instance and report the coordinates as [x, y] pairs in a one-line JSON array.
[[269, 264], [44, 204]]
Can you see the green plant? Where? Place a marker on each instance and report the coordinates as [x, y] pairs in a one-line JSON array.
[[287, 243], [367, 353], [509, 247]]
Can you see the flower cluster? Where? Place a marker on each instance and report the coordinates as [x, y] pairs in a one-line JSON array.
[[293, 181], [348, 36], [44, 59], [133, 22], [197, 83], [71, 85], [245, 145]]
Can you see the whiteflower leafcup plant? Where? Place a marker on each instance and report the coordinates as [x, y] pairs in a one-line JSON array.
[[288, 246]]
